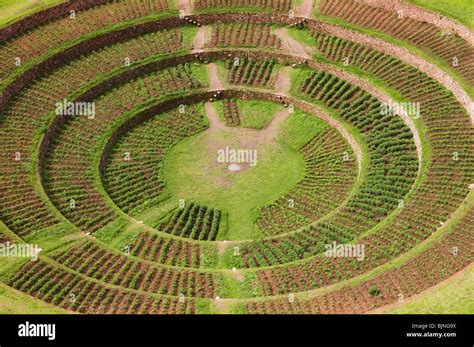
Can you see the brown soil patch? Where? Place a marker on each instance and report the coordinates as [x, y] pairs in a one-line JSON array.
[[214, 81], [304, 9], [290, 45], [283, 81], [186, 6], [200, 39], [222, 305]]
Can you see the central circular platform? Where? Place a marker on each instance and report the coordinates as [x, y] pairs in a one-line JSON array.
[[234, 170]]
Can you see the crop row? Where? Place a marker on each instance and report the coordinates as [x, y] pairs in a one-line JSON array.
[[67, 172], [165, 250], [194, 221], [231, 113], [91, 260], [243, 34], [38, 41], [250, 72], [73, 292], [21, 209], [132, 175], [391, 173], [391, 286], [454, 50], [273, 5], [330, 171]]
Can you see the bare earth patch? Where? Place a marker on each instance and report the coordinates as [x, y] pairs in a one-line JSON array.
[[304, 9], [214, 81], [185, 6], [200, 39], [290, 45], [283, 81]]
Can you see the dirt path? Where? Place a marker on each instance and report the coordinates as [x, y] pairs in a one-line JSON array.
[[215, 123], [255, 137], [421, 14], [403, 54], [214, 81], [237, 274], [223, 305], [200, 39], [304, 10], [251, 138], [270, 132], [185, 6], [290, 45], [283, 81]]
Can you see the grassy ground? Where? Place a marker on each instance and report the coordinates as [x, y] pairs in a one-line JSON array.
[[461, 10], [12, 10], [15, 302], [192, 173], [254, 114], [299, 129]]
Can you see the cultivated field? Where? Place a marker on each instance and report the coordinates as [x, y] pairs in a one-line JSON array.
[[236, 156]]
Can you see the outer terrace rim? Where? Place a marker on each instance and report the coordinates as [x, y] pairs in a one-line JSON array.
[[42, 16], [169, 62], [171, 21]]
